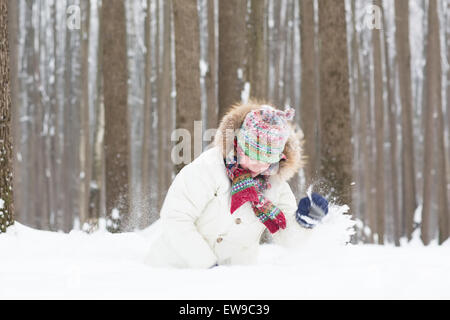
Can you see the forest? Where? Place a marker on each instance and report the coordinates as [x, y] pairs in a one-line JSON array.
[[93, 91]]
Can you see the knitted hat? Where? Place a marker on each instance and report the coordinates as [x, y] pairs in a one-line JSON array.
[[264, 133]]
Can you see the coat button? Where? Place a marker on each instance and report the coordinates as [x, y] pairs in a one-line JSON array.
[[219, 239], [238, 220]]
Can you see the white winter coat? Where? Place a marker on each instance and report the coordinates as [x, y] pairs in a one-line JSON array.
[[197, 229]]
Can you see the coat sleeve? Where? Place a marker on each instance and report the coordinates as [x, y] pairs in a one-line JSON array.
[[293, 235], [187, 196]]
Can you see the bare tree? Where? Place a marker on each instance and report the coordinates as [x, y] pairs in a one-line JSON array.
[[164, 109], [335, 145], [187, 53], [37, 172], [367, 212], [232, 47], [6, 165], [257, 50], [115, 76], [211, 75], [308, 102], [148, 107], [13, 41], [97, 172], [392, 134], [404, 74], [285, 59], [276, 47], [57, 109], [85, 154], [379, 129], [442, 170], [433, 104]]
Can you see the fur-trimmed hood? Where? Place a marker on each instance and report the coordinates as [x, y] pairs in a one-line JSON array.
[[233, 120]]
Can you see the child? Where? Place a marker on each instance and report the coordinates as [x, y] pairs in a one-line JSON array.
[[218, 206]]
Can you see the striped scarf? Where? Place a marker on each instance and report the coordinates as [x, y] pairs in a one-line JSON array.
[[246, 188]]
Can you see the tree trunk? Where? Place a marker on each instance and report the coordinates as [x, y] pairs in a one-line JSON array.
[[308, 102], [211, 75], [443, 157], [447, 41], [232, 38], [27, 209], [286, 57], [187, 53], [433, 104], [443, 209], [393, 137], [56, 144], [41, 167], [164, 108], [6, 166], [13, 41], [367, 211], [115, 76], [85, 154], [404, 69], [379, 130], [336, 147], [147, 131], [277, 41], [257, 50], [37, 115], [97, 173], [288, 72], [52, 152]]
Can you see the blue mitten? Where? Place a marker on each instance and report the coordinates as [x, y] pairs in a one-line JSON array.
[[311, 211]]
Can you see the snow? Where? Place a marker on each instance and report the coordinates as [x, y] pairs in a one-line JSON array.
[[115, 214], [203, 67], [245, 93], [101, 265]]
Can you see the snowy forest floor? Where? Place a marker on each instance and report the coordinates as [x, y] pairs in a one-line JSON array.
[[48, 265]]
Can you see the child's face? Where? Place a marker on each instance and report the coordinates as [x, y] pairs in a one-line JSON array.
[[256, 167]]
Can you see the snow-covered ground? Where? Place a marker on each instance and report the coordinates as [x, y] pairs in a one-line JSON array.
[[39, 264]]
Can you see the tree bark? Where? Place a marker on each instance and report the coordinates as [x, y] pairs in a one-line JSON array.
[[85, 154], [444, 164], [164, 110], [71, 127], [288, 64], [211, 75], [115, 76], [37, 115], [187, 53], [13, 41], [147, 131], [276, 48], [404, 68], [6, 145], [308, 102], [257, 50], [232, 47], [379, 130], [40, 166], [56, 143], [97, 173], [433, 104], [361, 99], [336, 131], [392, 135]]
